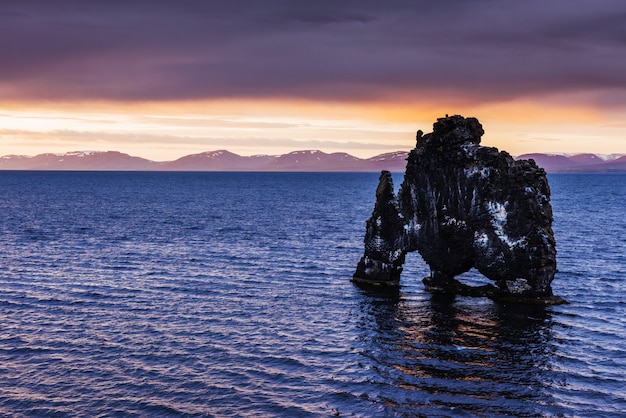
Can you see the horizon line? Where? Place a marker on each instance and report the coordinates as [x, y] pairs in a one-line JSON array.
[[603, 156]]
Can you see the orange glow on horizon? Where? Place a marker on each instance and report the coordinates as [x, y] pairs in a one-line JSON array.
[[169, 130]]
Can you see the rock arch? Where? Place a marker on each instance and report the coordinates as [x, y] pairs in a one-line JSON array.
[[463, 205]]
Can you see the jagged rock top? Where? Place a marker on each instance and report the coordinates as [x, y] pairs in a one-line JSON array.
[[453, 131]]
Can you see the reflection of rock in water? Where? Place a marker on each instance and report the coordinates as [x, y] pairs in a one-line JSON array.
[[461, 206], [432, 357]]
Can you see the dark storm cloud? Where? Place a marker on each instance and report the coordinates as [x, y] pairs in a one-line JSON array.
[[326, 49]]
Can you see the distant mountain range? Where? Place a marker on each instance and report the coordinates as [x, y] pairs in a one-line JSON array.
[[221, 160], [577, 163], [311, 160]]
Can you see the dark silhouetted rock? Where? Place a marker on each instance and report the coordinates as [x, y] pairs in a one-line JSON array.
[[384, 238], [461, 206]]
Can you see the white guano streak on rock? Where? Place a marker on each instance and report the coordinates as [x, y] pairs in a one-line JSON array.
[[498, 214], [474, 170], [518, 286], [453, 221]]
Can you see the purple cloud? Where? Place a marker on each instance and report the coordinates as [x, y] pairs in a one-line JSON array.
[[351, 49]]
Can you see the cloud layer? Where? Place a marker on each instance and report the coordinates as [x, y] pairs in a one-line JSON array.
[[479, 50]]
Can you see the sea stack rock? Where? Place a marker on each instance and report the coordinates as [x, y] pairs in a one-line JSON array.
[[461, 206], [384, 238]]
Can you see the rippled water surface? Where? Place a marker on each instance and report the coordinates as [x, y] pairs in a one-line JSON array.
[[226, 294]]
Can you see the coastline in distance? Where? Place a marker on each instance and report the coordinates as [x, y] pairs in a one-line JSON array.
[[307, 160]]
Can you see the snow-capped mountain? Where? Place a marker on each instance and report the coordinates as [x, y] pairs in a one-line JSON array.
[[578, 163], [220, 160], [78, 160], [314, 160], [307, 160]]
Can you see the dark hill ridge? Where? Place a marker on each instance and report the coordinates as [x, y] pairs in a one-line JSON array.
[[78, 160], [307, 160], [313, 160], [382, 161], [220, 160], [576, 163]]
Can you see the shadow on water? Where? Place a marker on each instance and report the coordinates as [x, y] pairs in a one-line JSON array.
[[441, 355]]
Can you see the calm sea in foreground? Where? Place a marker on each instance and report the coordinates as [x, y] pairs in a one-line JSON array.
[[229, 294]]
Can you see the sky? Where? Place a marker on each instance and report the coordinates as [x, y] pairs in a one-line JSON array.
[[162, 79]]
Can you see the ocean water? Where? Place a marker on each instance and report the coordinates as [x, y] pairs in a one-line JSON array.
[[229, 294]]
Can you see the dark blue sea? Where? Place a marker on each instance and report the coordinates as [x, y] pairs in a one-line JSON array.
[[229, 294]]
